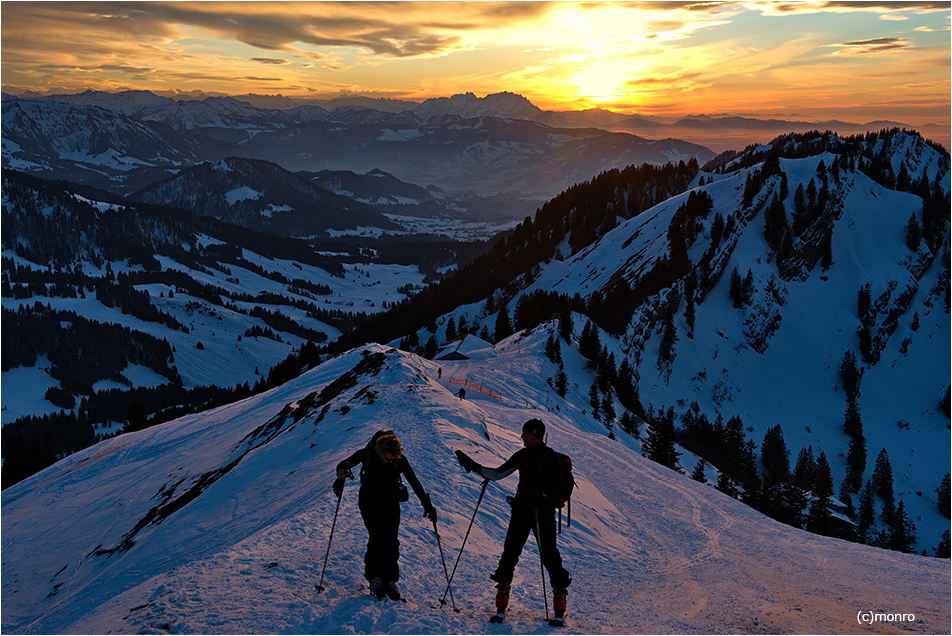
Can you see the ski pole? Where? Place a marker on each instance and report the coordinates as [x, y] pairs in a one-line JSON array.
[[446, 572], [478, 501], [320, 586], [545, 597]]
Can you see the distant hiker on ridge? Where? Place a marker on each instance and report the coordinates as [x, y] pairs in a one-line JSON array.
[[379, 498], [533, 510]]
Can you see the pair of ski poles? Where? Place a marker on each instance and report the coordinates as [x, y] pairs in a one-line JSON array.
[[538, 543], [449, 577], [320, 586]]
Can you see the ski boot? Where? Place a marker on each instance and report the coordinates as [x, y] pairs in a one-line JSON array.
[[377, 587], [558, 603], [391, 591], [502, 601]]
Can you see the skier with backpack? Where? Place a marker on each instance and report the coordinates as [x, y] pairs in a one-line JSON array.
[[379, 498], [544, 485]]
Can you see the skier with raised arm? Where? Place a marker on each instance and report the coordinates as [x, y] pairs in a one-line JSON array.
[[533, 510]]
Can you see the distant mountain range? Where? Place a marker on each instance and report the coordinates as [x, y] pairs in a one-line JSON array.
[[461, 156], [463, 144]]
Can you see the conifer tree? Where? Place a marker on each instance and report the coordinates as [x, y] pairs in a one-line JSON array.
[[775, 457], [589, 343], [593, 400], [624, 388], [690, 315], [561, 380], [943, 550], [820, 518], [503, 326], [490, 307], [659, 446], [855, 463], [748, 288], [736, 290], [734, 458], [902, 532], [802, 483], [776, 496], [943, 499], [866, 515], [666, 352], [887, 515], [882, 477], [913, 233], [608, 407], [630, 424], [698, 474], [775, 224], [850, 375], [565, 325], [852, 421], [553, 348], [603, 370], [717, 230], [804, 469], [752, 494], [726, 485]]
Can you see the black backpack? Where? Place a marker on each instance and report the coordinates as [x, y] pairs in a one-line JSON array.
[[402, 493], [568, 485]]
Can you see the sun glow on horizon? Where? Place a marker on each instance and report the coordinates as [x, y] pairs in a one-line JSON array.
[[603, 83], [655, 57]]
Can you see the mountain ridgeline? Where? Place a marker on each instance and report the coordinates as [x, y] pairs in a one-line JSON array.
[[124, 143]]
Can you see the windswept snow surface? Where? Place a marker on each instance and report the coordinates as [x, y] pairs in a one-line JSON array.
[[219, 523]]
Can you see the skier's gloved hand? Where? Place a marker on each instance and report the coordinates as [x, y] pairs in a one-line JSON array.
[[339, 486], [468, 464], [344, 473], [428, 509]]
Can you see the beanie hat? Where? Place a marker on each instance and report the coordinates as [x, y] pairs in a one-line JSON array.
[[536, 428]]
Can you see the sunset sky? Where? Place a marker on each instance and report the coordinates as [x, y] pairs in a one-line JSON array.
[[815, 60]]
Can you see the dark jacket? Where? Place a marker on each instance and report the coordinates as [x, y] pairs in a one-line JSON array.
[[540, 476], [380, 480]]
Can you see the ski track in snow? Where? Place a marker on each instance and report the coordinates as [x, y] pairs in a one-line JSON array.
[[650, 550]]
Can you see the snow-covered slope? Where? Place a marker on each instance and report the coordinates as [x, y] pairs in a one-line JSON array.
[[219, 522], [775, 360], [268, 297]]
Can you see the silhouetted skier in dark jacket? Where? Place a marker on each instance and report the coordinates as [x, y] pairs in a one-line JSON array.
[[533, 510], [381, 493]]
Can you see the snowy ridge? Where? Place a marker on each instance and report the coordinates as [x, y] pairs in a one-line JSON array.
[[218, 522]]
